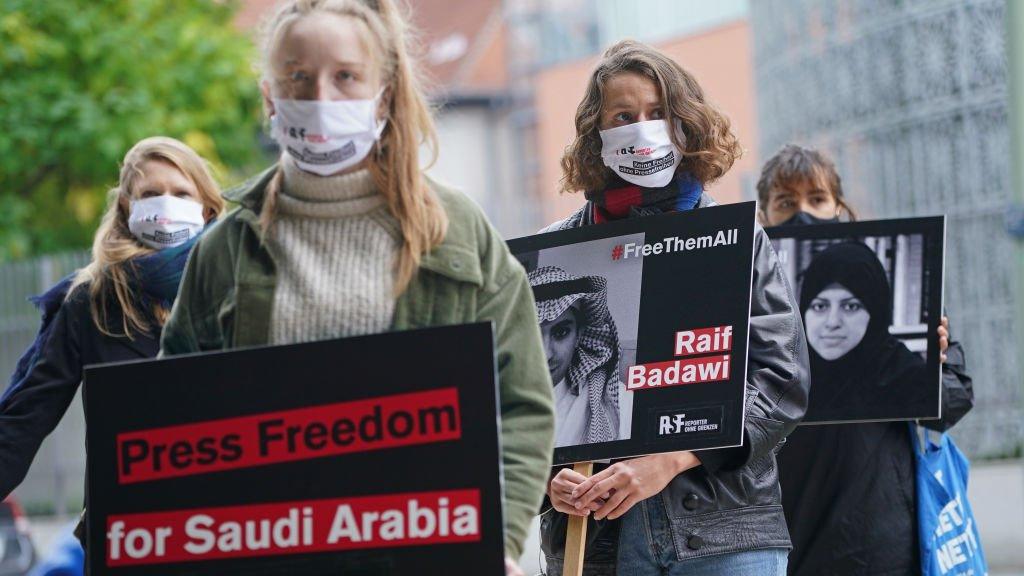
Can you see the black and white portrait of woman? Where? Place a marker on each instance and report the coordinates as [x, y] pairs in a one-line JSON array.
[[859, 370], [583, 354]]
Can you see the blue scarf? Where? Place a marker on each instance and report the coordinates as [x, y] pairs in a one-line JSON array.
[[157, 275]]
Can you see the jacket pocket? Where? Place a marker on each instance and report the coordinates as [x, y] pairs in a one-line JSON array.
[[763, 466], [728, 531]]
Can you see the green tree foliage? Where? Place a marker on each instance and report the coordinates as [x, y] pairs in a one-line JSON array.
[[83, 80]]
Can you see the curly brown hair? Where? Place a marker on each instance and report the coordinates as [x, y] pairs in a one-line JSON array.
[[708, 144]]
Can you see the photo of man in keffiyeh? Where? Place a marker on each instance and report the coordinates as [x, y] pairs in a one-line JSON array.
[[583, 353]]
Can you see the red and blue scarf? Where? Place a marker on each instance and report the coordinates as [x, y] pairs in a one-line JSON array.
[[620, 199]]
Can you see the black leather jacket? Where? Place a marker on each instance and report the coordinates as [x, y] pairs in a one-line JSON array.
[[732, 502]]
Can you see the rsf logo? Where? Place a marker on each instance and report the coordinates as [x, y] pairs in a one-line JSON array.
[[671, 424]]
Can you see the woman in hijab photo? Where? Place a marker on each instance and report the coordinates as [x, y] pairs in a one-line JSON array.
[[582, 347], [859, 370]]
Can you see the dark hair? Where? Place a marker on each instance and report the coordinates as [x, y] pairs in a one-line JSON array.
[[708, 144], [794, 164]]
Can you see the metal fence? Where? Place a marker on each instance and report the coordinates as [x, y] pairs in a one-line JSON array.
[[55, 482], [910, 98]]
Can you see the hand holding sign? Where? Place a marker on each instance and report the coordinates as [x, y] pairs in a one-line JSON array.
[[560, 492], [631, 481], [943, 339], [645, 356]]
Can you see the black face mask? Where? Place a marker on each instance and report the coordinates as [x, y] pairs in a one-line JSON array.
[[805, 219]]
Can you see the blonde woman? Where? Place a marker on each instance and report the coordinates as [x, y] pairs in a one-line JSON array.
[[114, 308], [346, 236]]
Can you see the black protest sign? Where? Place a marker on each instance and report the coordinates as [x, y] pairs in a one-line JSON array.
[[870, 297], [371, 455], [645, 323]]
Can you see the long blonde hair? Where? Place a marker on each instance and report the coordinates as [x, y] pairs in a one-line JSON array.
[[395, 167], [709, 148], [114, 246]]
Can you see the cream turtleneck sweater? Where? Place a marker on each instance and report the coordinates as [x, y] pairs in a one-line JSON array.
[[336, 245]]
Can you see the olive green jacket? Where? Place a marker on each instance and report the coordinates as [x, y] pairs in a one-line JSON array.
[[227, 294]]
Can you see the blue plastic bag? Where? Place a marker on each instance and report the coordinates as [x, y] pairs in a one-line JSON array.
[[65, 557], [950, 545]]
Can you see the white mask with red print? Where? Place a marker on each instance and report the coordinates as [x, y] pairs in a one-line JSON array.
[[165, 221], [326, 136], [641, 153]]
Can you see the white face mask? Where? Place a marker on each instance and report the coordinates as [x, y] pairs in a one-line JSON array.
[[326, 136], [165, 221], [641, 153]]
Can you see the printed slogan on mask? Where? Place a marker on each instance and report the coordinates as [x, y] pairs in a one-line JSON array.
[[645, 321], [222, 481]]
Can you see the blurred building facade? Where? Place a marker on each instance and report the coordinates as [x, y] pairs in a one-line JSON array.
[[466, 55], [910, 99]]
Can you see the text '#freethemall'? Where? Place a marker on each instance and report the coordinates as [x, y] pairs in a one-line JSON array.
[[674, 244], [289, 435]]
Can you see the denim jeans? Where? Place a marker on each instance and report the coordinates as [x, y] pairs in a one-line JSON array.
[[646, 548]]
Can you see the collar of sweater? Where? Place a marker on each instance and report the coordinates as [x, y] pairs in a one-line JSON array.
[[339, 196]]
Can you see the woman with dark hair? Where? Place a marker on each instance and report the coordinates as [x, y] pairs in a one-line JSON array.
[[857, 367], [582, 346], [848, 489]]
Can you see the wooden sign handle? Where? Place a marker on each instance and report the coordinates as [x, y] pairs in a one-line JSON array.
[[576, 539]]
